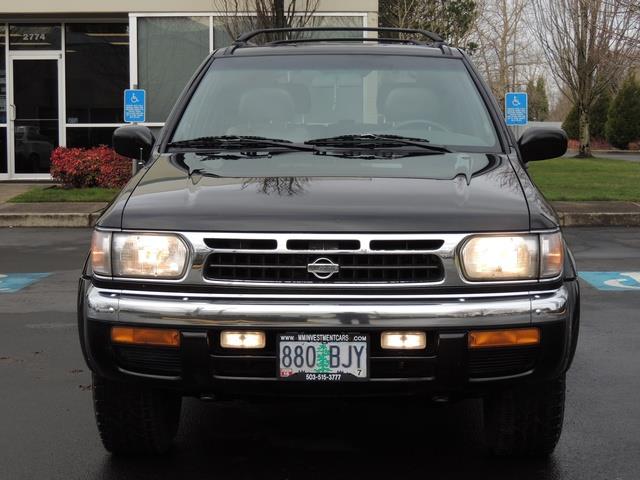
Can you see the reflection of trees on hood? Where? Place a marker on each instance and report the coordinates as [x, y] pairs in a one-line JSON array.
[[278, 185], [505, 177]]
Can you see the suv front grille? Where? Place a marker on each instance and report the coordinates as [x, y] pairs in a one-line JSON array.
[[352, 268]]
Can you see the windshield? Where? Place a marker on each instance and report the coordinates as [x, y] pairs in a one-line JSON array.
[[302, 98]]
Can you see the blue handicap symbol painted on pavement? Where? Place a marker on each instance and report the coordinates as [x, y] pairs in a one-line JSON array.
[[613, 281], [14, 282]]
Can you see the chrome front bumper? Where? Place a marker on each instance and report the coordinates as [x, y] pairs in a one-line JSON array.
[[437, 311], [445, 367]]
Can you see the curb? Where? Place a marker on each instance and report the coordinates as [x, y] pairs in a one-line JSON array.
[[59, 220], [600, 219], [605, 152]]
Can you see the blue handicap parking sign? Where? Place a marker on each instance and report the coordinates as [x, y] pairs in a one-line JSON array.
[[613, 281], [13, 282], [516, 108], [135, 106]]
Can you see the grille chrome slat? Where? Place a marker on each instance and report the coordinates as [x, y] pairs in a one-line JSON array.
[[391, 267], [218, 265]]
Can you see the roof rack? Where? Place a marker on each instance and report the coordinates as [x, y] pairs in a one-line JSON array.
[[346, 39], [244, 38]]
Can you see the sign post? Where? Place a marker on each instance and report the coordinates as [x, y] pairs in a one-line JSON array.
[[516, 110], [135, 111]]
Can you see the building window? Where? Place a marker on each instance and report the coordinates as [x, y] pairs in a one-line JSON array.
[[169, 51], [3, 77], [3, 102], [320, 21], [3, 149], [97, 71], [35, 37], [87, 137]]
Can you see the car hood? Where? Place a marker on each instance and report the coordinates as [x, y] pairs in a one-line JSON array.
[[168, 198]]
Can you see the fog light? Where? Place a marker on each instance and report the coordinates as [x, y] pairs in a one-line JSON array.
[[404, 340], [504, 338], [145, 336], [242, 339]]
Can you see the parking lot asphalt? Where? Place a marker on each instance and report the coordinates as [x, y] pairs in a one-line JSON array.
[[47, 429]]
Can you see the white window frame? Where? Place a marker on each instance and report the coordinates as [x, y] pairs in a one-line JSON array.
[[5, 125], [63, 124], [10, 56], [133, 35]]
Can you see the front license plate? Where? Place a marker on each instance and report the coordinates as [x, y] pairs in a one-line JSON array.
[[320, 357]]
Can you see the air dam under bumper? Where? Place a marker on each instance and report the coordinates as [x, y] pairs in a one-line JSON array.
[[446, 366]]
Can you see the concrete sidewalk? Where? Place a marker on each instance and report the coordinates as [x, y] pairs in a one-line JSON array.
[[69, 214], [10, 190]]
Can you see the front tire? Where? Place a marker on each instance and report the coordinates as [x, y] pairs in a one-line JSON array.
[[525, 421], [133, 419]]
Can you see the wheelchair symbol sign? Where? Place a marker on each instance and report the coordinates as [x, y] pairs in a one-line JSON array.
[[516, 108], [135, 103], [613, 281]]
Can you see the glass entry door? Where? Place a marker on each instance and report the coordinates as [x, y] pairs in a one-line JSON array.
[[34, 111]]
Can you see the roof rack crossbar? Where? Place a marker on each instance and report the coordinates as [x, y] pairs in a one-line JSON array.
[[345, 39], [244, 38]]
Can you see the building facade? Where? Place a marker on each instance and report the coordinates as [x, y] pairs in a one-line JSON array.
[[64, 66]]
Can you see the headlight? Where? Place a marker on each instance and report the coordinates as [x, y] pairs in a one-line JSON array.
[[148, 255], [512, 257], [141, 255]]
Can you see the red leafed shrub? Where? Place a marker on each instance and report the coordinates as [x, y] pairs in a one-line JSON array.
[[90, 167]]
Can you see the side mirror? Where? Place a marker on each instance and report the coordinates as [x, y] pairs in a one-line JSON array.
[[133, 141], [542, 143]]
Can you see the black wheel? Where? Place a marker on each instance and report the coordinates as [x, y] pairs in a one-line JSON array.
[[525, 421], [135, 420]]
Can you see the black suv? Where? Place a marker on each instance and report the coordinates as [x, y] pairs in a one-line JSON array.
[[331, 217]]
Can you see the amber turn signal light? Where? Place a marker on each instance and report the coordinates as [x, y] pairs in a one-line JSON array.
[[514, 337], [145, 336]]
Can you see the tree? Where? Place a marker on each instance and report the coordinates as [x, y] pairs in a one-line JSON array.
[[598, 116], [597, 119], [322, 361], [245, 15], [451, 19], [504, 54], [561, 106], [588, 44], [623, 122], [538, 101], [571, 124]]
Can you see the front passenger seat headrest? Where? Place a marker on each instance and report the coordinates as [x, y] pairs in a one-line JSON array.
[[264, 105], [410, 103]]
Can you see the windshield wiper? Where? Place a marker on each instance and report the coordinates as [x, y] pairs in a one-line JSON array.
[[374, 141], [238, 142]]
